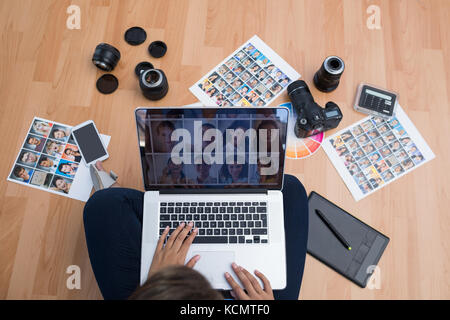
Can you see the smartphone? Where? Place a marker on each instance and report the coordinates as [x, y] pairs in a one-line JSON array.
[[89, 142]]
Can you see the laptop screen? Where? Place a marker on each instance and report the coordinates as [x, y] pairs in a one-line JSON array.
[[212, 148]]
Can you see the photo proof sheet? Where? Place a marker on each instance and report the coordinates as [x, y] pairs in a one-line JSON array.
[[374, 152], [50, 160], [253, 75]]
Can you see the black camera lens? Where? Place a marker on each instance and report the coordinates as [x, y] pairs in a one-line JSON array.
[[106, 57], [327, 77], [153, 83], [142, 66], [299, 89]]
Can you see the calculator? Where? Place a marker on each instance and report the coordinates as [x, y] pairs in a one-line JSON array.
[[375, 101]]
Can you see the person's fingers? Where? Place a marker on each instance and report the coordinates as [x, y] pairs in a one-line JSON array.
[[238, 291], [174, 235], [99, 165], [244, 280], [191, 263], [161, 240], [182, 236], [253, 281], [265, 281], [187, 243]]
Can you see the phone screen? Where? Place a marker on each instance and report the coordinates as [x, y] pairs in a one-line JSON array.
[[89, 142]]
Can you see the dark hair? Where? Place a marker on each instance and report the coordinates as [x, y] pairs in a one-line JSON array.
[[176, 283], [61, 165], [17, 171], [43, 158], [224, 173], [54, 183], [166, 124], [67, 149], [56, 130]]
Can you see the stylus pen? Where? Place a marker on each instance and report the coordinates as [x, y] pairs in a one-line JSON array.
[[333, 229]]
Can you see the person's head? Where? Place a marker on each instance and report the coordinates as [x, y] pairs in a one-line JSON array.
[[206, 127], [202, 169], [375, 157], [176, 283], [52, 147], [236, 125], [175, 169], [60, 184], [33, 141], [28, 157], [59, 134], [20, 172], [65, 168], [70, 152], [284, 81], [41, 127], [45, 162], [235, 170], [164, 131], [405, 140], [268, 125], [211, 91]]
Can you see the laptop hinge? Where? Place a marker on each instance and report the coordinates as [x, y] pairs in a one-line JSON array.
[[212, 191]]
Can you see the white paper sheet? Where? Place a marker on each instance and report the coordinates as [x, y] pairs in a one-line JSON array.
[[253, 75], [40, 157], [367, 163]]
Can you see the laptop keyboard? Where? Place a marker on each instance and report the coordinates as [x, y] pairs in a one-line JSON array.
[[218, 222]]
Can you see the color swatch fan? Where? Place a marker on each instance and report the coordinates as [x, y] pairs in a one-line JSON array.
[[300, 148]]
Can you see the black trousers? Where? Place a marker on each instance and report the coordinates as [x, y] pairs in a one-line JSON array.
[[113, 226]]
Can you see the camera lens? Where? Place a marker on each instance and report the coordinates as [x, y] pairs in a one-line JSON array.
[[153, 83], [327, 77], [106, 57], [299, 90]]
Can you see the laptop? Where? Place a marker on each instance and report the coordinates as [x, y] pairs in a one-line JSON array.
[[222, 169]]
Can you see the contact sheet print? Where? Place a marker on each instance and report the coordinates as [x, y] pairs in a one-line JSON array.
[[49, 159], [253, 75], [374, 152]]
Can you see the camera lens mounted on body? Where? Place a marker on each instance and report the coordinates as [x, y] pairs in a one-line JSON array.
[[153, 83], [106, 57]]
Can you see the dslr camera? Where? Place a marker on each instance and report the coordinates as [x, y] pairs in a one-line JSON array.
[[312, 118]]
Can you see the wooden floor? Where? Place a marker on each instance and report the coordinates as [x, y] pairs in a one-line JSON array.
[[45, 71]]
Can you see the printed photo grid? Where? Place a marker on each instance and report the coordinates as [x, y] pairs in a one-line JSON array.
[[249, 77], [49, 158], [375, 152]]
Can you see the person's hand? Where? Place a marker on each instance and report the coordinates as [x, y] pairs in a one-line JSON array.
[[251, 285], [175, 250]]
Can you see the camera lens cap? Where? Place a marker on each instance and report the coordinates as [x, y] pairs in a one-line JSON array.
[[107, 83], [135, 36], [157, 49], [142, 66]]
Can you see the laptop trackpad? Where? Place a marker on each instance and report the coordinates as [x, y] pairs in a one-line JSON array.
[[213, 265]]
